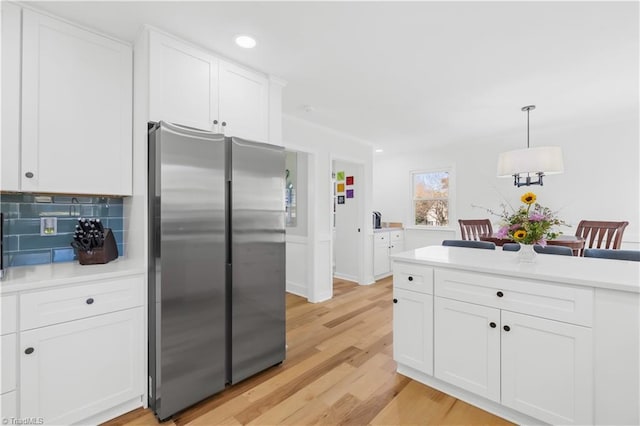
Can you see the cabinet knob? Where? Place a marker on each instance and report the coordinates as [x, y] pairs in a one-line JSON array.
[[29, 351], [506, 328], [395, 300], [499, 294], [215, 121], [224, 123], [29, 175], [90, 301], [410, 278], [492, 324]]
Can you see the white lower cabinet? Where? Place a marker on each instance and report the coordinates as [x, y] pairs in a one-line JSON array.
[[467, 346], [385, 244], [413, 329], [73, 370], [519, 365], [8, 406], [547, 369]]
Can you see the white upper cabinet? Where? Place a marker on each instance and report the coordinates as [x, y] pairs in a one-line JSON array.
[[76, 109], [244, 102], [192, 87], [10, 97], [183, 83]]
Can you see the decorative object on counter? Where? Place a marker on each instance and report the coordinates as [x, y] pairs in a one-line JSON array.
[[522, 163], [94, 244]]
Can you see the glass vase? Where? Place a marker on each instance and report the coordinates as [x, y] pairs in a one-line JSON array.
[[526, 254]]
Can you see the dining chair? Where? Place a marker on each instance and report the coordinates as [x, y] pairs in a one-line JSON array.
[[561, 250], [471, 229], [471, 244], [599, 234], [633, 255]]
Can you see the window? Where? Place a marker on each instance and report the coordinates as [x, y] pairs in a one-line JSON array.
[[431, 198]]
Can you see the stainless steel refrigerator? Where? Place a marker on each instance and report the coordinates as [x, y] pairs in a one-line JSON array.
[[216, 263]]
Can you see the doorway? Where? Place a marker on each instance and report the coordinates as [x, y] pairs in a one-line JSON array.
[[347, 226]]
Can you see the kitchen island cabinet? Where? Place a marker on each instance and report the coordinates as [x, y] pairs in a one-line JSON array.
[[556, 341]]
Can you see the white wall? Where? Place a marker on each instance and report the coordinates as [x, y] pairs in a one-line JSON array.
[[324, 145], [347, 226], [297, 236], [600, 182]]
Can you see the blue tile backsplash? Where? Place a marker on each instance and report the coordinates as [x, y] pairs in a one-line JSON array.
[[23, 244]]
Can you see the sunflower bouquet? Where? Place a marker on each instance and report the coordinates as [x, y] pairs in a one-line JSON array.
[[530, 224]]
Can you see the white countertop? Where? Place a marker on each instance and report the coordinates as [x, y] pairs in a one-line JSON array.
[[22, 278], [599, 273], [388, 229]]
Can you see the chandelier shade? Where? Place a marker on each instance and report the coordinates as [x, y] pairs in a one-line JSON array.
[[522, 164]]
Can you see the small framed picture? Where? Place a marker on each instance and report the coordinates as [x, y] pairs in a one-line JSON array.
[[349, 180], [340, 176], [349, 193], [340, 199], [340, 187]]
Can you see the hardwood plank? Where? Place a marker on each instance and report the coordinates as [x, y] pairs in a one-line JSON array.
[[339, 370]]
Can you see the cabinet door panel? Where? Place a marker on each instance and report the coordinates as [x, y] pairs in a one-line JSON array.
[[380, 260], [9, 405], [76, 109], [413, 330], [80, 368], [10, 154], [467, 348], [183, 83], [8, 362], [547, 369], [244, 102]]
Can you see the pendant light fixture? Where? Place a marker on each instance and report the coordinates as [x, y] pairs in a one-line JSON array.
[[525, 165]]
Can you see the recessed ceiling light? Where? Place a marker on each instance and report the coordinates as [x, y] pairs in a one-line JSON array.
[[246, 41], [379, 150]]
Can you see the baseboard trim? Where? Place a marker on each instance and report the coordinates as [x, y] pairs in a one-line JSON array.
[[346, 277], [297, 289]]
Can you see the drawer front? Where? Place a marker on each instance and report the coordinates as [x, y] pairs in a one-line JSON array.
[[396, 235], [381, 238], [9, 314], [413, 277], [539, 298], [55, 306], [9, 366]]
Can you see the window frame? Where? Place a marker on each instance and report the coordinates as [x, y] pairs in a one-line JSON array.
[[450, 198]]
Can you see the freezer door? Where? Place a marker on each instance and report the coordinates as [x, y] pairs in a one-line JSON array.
[[187, 267], [257, 257]]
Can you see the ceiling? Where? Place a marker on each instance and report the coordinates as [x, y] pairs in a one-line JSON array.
[[412, 75]]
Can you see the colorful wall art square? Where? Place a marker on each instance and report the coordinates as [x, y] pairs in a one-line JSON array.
[[340, 176], [340, 187], [340, 199], [349, 180], [349, 193]]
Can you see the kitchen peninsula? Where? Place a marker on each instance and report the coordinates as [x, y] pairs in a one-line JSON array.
[[555, 341]]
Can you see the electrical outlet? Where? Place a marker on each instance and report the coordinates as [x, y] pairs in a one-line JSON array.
[[48, 226]]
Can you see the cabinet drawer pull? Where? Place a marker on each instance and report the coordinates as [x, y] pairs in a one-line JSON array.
[[492, 324], [499, 294], [410, 278], [506, 328], [395, 300], [90, 301], [29, 175], [29, 351]]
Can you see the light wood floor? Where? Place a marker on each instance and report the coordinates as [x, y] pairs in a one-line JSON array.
[[339, 370]]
